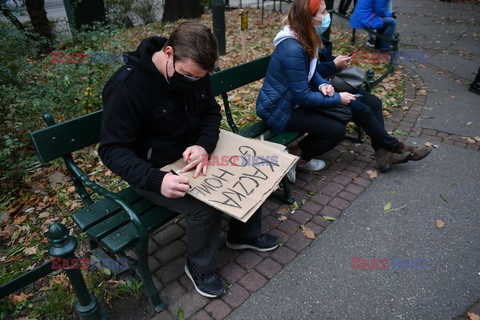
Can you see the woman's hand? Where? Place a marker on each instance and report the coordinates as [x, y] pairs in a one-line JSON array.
[[327, 90], [196, 156], [346, 97], [341, 62]]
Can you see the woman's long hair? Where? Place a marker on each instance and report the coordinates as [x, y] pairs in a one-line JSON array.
[[300, 21]]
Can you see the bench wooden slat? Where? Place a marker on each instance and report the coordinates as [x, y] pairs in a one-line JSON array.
[[126, 236], [103, 209], [237, 76], [63, 138]]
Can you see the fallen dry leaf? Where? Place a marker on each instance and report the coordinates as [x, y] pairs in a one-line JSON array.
[[440, 224], [477, 138], [473, 316], [282, 218], [20, 297], [20, 219], [30, 251], [429, 144], [307, 232], [470, 140], [372, 174]]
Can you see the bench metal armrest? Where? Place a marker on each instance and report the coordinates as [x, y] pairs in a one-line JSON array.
[[134, 218]]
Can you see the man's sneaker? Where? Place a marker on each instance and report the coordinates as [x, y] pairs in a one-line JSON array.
[[207, 284], [370, 43], [312, 165], [264, 242]]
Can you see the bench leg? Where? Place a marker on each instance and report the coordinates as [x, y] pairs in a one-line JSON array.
[[286, 195], [146, 276]]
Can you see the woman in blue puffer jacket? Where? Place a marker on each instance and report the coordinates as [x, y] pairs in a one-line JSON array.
[[293, 91]]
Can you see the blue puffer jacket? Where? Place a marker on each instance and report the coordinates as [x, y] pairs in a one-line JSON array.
[[286, 86], [368, 14]]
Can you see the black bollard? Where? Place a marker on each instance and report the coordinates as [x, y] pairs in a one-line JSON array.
[[62, 245]]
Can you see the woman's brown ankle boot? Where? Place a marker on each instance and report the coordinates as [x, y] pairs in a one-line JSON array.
[[417, 153], [385, 158]]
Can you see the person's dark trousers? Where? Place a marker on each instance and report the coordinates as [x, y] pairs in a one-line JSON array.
[[475, 85], [368, 114], [323, 133], [203, 224], [344, 4]]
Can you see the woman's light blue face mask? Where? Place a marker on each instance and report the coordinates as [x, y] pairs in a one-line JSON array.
[[325, 24]]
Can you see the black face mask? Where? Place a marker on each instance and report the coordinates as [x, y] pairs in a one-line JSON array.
[[179, 82]]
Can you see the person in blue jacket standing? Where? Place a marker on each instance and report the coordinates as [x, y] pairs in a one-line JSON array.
[[293, 91], [374, 14]]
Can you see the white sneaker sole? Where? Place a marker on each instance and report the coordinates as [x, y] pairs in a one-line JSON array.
[[247, 246]]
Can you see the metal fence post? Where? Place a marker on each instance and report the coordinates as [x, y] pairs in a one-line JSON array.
[[218, 21], [62, 245]]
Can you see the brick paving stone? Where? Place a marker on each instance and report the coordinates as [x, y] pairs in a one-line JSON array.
[[320, 221], [270, 222], [218, 309], [359, 163], [190, 303], [169, 234], [311, 207], [268, 267], [288, 226], [332, 189], [248, 259], [170, 252], [283, 255], [348, 156], [164, 315], [362, 182], [339, 165], [442, 134], [347, 196], [173, 291], [460, 144], [235, 295], [153, 264], [202, 315], [322, 199], [232, 272], [327, 175], [313, 186], [414, 134], [271, 204], [317, 229], [331, 211], [186, 283], [339, 203], [282, 236], [331, 155], [157, 283], [354, 188], [152, 246], [343, 180], [305, 176], [298, 241], [226, 256], [349, 174], [300, 216], [171, 270], [252, 281], [429, 132], [355, 169], [300, 183]]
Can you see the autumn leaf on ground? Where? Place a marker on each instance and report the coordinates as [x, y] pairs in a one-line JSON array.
[[20, 297], [444, 198], [440, 224], [387, 207], [372, 174], [20, 219], [329, 218], [473, 316], [477, 138], [429, 144], [30, 251], [282, 218], [307, 232], [283, 210]]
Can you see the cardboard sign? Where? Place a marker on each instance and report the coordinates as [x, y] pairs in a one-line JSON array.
[[241, 174]]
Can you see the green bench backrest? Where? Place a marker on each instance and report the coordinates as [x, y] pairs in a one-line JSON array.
[[237, 76], [63, 138]]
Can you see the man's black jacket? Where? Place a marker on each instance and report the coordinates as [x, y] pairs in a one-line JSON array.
[[146, 125]]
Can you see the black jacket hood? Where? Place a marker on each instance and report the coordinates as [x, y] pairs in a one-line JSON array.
[[142, 57]]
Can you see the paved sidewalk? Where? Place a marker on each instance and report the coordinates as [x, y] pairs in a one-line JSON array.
[[314, 279]]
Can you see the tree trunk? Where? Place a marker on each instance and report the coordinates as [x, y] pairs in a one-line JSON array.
[[176, 9], [12, 18], [40, 23]]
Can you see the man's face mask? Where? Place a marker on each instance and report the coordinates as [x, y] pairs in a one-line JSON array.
[[179, 82], [325, 24]]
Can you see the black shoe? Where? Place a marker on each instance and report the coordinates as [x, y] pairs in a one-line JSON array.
[[264, 242], [208, 285], [475, 88]]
